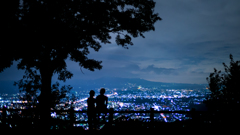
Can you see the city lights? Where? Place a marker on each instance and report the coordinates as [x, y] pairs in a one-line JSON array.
[[130, 100]]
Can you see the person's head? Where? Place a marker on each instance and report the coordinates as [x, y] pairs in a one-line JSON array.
[[92, 93], [102, 91]]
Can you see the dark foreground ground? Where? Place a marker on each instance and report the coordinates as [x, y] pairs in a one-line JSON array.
[[123, 128]]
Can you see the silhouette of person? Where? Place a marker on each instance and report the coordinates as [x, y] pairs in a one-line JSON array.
[[91, 111], [102, 102]]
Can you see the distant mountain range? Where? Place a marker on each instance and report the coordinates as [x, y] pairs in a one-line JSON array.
[[108, 82], [115, 82]]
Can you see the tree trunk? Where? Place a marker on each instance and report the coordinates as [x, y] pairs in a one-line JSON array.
[[45, 99]]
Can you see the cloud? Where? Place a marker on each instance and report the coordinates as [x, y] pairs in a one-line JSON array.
[[159, 71], [193, 37]]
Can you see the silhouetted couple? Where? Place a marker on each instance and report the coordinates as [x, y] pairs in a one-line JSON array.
[[101, 102]]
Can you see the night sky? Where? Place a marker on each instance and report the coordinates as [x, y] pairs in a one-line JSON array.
[[193, 37]]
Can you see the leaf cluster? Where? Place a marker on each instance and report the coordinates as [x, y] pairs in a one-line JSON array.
[[225, 88], [43, 32]]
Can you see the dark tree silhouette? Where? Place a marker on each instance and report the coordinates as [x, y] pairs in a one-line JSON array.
[[42, 34], [225, 92], [31, 84]]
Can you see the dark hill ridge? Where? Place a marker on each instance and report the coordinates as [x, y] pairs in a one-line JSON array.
[[108, 82], [116, 82]]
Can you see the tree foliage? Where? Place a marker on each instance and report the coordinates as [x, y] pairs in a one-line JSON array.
[[50, 31], [225, 90], [42, 34]]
